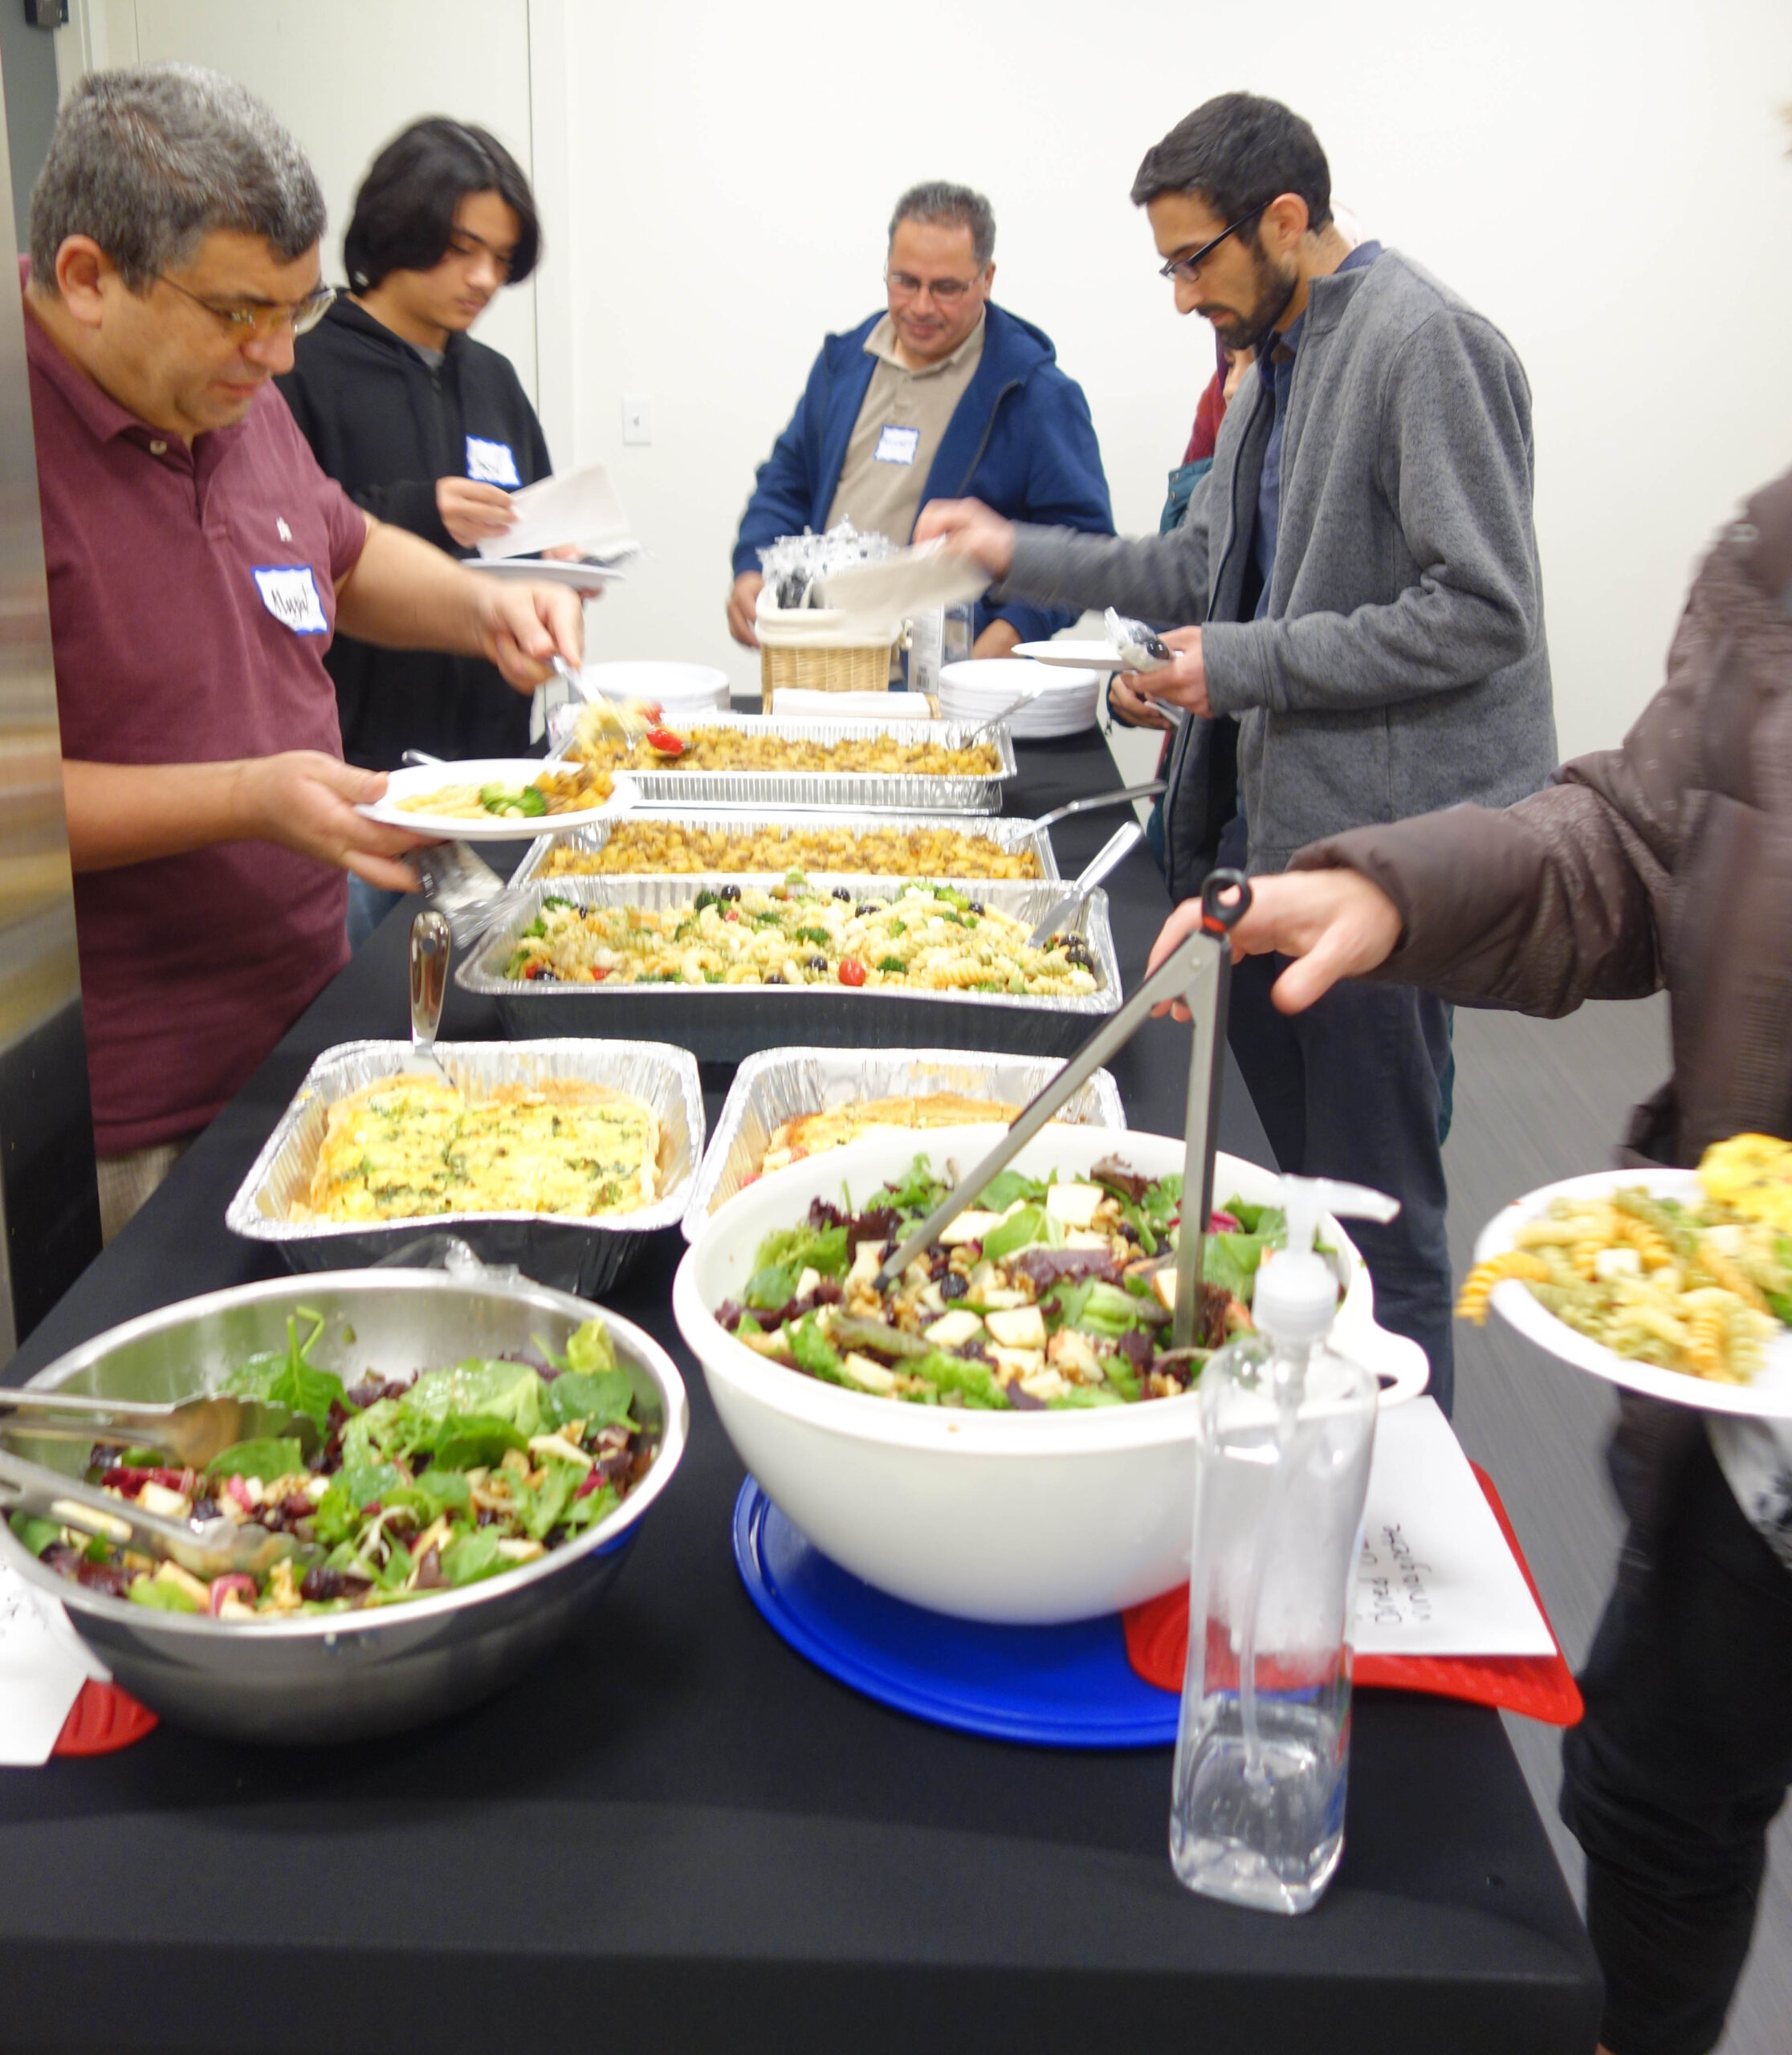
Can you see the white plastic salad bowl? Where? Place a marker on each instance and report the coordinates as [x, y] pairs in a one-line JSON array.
[[1021, 1518]]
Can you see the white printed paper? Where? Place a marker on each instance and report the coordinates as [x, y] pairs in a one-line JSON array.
[[40, 1675], [579, 506], [1436, 1577]]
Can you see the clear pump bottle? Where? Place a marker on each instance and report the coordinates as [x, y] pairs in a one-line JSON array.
[[1285, 1432]]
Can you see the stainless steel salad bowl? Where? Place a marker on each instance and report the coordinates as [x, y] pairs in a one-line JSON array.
[[336, 1677]]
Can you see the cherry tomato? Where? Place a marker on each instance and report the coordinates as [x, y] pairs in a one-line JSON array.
[[664, 743], [852, 971]]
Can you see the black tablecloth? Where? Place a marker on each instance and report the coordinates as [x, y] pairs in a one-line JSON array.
[[675, 1833]]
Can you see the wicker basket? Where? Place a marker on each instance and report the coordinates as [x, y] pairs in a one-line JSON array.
[[860, 668]]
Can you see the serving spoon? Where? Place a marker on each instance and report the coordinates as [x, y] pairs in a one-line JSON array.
[[432, 942], [1118, 846]]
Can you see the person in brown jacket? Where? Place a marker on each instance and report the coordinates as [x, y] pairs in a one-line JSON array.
[[1665, 863]]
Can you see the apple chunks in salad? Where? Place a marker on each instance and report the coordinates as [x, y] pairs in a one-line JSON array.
[[1046, 1293], [419, 1485]]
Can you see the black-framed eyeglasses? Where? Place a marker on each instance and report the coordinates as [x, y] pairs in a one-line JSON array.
[[243, 319], [943, 292], [1186, 267]]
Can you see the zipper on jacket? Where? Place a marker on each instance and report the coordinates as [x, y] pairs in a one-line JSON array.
[[1013, 385]]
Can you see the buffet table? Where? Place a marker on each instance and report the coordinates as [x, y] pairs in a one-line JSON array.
[[675, 1833]]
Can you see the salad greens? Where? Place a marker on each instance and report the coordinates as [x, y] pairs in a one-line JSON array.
[[1049, 1291], [458, 1474]]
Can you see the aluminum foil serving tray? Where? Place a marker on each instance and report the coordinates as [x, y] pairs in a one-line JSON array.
[[581, 1256], [1014, 837], [722, 1023], [886, 791], [777, 1084]]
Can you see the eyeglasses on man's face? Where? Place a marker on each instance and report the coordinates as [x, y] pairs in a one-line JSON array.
[[242, 319], [943, 292], [1187, 265]]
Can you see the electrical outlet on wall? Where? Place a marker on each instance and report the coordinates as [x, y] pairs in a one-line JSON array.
[[637, 417]]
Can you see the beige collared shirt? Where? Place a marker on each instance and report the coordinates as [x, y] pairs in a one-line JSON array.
[[897, 433]]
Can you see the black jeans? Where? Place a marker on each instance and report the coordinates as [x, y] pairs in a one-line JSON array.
[[1672, 1779], [1353, 1088]]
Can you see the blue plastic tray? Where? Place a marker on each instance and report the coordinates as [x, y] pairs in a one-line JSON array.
[[1062, 1687]]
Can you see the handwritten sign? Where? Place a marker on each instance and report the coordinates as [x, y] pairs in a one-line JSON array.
[[1436, 1576], [40, 1675]]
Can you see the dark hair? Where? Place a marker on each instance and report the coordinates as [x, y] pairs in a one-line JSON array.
[[404, 210], [938, 201], [151, 160], [1239, 151]]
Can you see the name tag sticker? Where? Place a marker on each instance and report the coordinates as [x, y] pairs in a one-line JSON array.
[[289, 592], [896, 446], [491, 463]]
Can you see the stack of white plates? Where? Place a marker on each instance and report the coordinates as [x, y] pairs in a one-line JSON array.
[[680, 691], [1063, 702]]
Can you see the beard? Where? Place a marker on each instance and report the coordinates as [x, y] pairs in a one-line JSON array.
[[1246, 329]]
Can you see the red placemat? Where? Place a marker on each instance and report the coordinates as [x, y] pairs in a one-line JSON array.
[[1541, 1687], [102, 1719]]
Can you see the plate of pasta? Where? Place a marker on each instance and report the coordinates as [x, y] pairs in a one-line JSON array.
[[501, 799], [1675, 1284]]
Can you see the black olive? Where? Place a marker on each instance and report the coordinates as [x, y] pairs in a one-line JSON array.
[[868, 906], [975, 907], [953, 1285], [840, 892], [817, 963], [729, 892], [775, 979]]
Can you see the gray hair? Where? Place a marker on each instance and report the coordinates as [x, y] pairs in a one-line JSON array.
[[936, 201], [150, 161]]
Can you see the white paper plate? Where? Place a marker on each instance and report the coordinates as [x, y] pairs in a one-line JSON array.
[[1768, 1398], [418, 778], [1081, 656], [550, 571]]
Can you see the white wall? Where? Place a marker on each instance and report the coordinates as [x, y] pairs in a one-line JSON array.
[[1605, 181], [1605, 178], [345, 76]]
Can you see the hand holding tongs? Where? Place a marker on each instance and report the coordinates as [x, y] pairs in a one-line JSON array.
[[207, 1547], [1202, 958]]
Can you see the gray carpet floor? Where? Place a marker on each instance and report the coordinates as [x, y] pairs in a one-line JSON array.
[[1537, 1100]]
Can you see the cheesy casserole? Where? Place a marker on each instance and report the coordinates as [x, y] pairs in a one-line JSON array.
[[408, 1146]]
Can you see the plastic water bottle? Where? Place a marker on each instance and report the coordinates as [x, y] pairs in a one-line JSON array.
[[926, 633], [1285, 1428]]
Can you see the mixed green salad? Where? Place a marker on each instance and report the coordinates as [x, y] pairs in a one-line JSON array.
[[416, 1486], [1047, 1292]]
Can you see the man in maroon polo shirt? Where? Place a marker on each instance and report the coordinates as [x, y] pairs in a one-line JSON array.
[[199, 562]]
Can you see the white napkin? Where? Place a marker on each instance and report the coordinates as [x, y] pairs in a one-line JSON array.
[[1436, 1578], [912, 581], [852, 706], [44, 1664]]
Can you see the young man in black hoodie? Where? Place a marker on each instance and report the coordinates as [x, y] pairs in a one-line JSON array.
[[423, 427]]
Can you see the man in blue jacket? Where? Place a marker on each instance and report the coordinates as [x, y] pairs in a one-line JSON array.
[[940, 396]]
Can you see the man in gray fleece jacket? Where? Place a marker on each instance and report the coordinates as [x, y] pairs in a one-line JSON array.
[[1362, 565]]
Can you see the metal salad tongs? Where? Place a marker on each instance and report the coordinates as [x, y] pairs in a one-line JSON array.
[[206, 1548], [1198, 971]]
